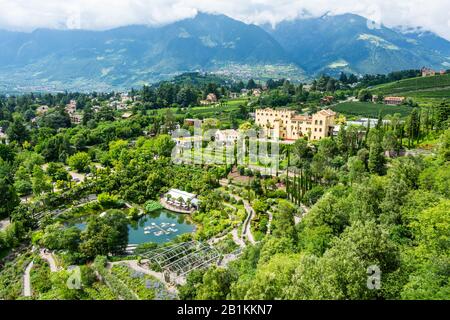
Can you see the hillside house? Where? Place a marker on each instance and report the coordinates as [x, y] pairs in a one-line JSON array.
[[393, 101], [76, 118], [426, 72], [229, 135], [327, 100], [71, 107], [41, 110], [256, 92], [210, 98]]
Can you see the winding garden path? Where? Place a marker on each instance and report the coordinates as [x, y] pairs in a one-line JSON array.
[[26, 276], [305, 211], [50, 259], [246, 232], [269, 224], [27, 281]]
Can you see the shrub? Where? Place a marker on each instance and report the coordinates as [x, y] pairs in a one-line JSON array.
[[109, 201], [277, 194], [152, 205]]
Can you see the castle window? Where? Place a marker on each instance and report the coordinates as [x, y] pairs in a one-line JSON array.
[[315, 122], [320, 121]]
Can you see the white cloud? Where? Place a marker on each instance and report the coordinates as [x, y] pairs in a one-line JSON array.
[[103, 14]]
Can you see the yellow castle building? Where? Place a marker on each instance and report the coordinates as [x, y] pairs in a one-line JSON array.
[[285, 124]]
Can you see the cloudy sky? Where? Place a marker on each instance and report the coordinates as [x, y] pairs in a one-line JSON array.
[[103, 14]]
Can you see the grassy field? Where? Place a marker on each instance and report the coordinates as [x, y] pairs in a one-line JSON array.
[[210, 111], [436, 93], [368, 109], [420, 87]]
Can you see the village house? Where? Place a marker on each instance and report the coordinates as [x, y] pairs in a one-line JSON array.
[[125, 98], [426, 72], [393, 101], [127, 115], [71, 107], [229, 135], [191, 122], [42, 110], [122, 106], [256, 92], [76, 118], [3, 136], [234, 95], [210, 98], [286, 124], [327, 99]]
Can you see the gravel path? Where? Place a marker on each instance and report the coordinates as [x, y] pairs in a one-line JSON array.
[[50, 259], [27, 281]]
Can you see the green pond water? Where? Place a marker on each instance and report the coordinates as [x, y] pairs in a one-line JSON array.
[[159, 227]]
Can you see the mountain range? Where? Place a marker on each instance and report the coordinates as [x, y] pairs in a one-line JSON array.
[[51, 60]]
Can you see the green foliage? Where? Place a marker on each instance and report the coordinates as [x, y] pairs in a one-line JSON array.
[[376, 159], [11, 278], [364, 95], [408, 87], [116, 285], [40, 277], [152, 205], [342, 269], [105, 235], [58, 237], [272, 278], [108, 201], [215, 284], [80, 161], [283, 220], [369, 109], [145, 287]]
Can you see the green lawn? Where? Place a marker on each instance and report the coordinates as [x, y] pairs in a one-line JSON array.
[[368, 109], [433, 87], [220, 112], [437, 93]]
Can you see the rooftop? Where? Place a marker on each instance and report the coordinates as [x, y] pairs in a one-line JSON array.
[[176, 193]]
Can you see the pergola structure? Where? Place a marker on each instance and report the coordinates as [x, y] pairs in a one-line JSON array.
[[181, 258]]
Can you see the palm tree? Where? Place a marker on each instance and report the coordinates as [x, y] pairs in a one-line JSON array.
[[181, 201]]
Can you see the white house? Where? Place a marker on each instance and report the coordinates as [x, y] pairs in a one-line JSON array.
[[3, 136], [229, 135], [42, 109], [173, 197]]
